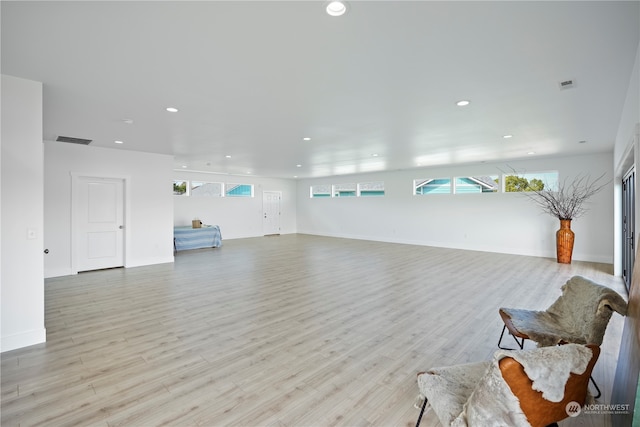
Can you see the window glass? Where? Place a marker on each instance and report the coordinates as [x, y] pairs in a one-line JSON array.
[[477, 184], [323, 190], [366, 189], [238, 190], [206, 189], [344, 190], [515, 183], [180, 188], [432, 186]]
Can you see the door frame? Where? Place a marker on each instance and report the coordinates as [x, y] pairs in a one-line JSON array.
[[628, 226], [628, 158], [126, 181]]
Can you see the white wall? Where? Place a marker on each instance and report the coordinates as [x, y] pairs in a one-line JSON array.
[[238, 217], [497, 222], [630, 115], [22, 281], [149, 201], [626, 153]]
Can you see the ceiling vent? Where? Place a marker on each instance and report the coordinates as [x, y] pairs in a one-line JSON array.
[[74, 140], [567, 84]]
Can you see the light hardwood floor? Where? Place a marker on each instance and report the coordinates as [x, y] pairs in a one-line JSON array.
[[294, 330]]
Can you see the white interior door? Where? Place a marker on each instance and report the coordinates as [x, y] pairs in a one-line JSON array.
[[271, 210], [99, 223]]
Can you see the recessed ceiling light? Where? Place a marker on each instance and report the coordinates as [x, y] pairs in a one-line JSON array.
[[567, 84], [172, 109], [184, 166], [128, 121], [531, 152], [507, 136], [298, 166], [336, 8], [119, 142], [374, 155], [306, 138], [228, 156], [463, 103]]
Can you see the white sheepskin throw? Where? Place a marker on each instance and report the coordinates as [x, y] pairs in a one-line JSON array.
[[492, 404], [475, 395], [448, 388], [549, 367], [580, 315]]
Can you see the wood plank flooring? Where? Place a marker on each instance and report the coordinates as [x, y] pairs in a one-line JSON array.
[[294, 330]]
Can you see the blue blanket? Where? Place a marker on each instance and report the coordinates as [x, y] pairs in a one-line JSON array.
[[194, 238]]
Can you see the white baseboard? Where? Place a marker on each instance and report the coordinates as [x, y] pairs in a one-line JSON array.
[[23, 339], [577, 256], [57, 272], [140, 262]]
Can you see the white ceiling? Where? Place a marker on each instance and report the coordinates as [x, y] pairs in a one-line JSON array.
[[375, 89]]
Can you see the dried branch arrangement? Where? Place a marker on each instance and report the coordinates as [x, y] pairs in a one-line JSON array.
[[567, 202]]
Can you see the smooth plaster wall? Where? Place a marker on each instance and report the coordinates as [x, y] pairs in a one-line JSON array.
[[630, 118], [149, 201], [238, 217], [497, 222], [626, 153], [22, 277]]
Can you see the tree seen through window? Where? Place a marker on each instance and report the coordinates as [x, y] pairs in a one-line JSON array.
[[516, 184]]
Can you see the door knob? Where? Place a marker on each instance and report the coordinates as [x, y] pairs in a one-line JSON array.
[[121, 227], [46, 251]]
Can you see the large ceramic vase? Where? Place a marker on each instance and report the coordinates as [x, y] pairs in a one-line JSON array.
[[564, 242]]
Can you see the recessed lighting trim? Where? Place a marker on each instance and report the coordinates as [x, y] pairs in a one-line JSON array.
[[306, 138], [228, 156], [507, 136], [172, 109], [118, 142], [336, 8], [567, 84], [463, 103]]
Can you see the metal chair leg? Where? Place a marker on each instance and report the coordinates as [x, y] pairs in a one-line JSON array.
[[501, 335], [596, 386], [520, 343], [424, 405]]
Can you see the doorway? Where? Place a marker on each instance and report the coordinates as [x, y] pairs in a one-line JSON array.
[[98, 223], [271, 210], [628, 226]]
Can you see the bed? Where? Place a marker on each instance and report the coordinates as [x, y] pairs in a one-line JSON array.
[[195, 238]]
